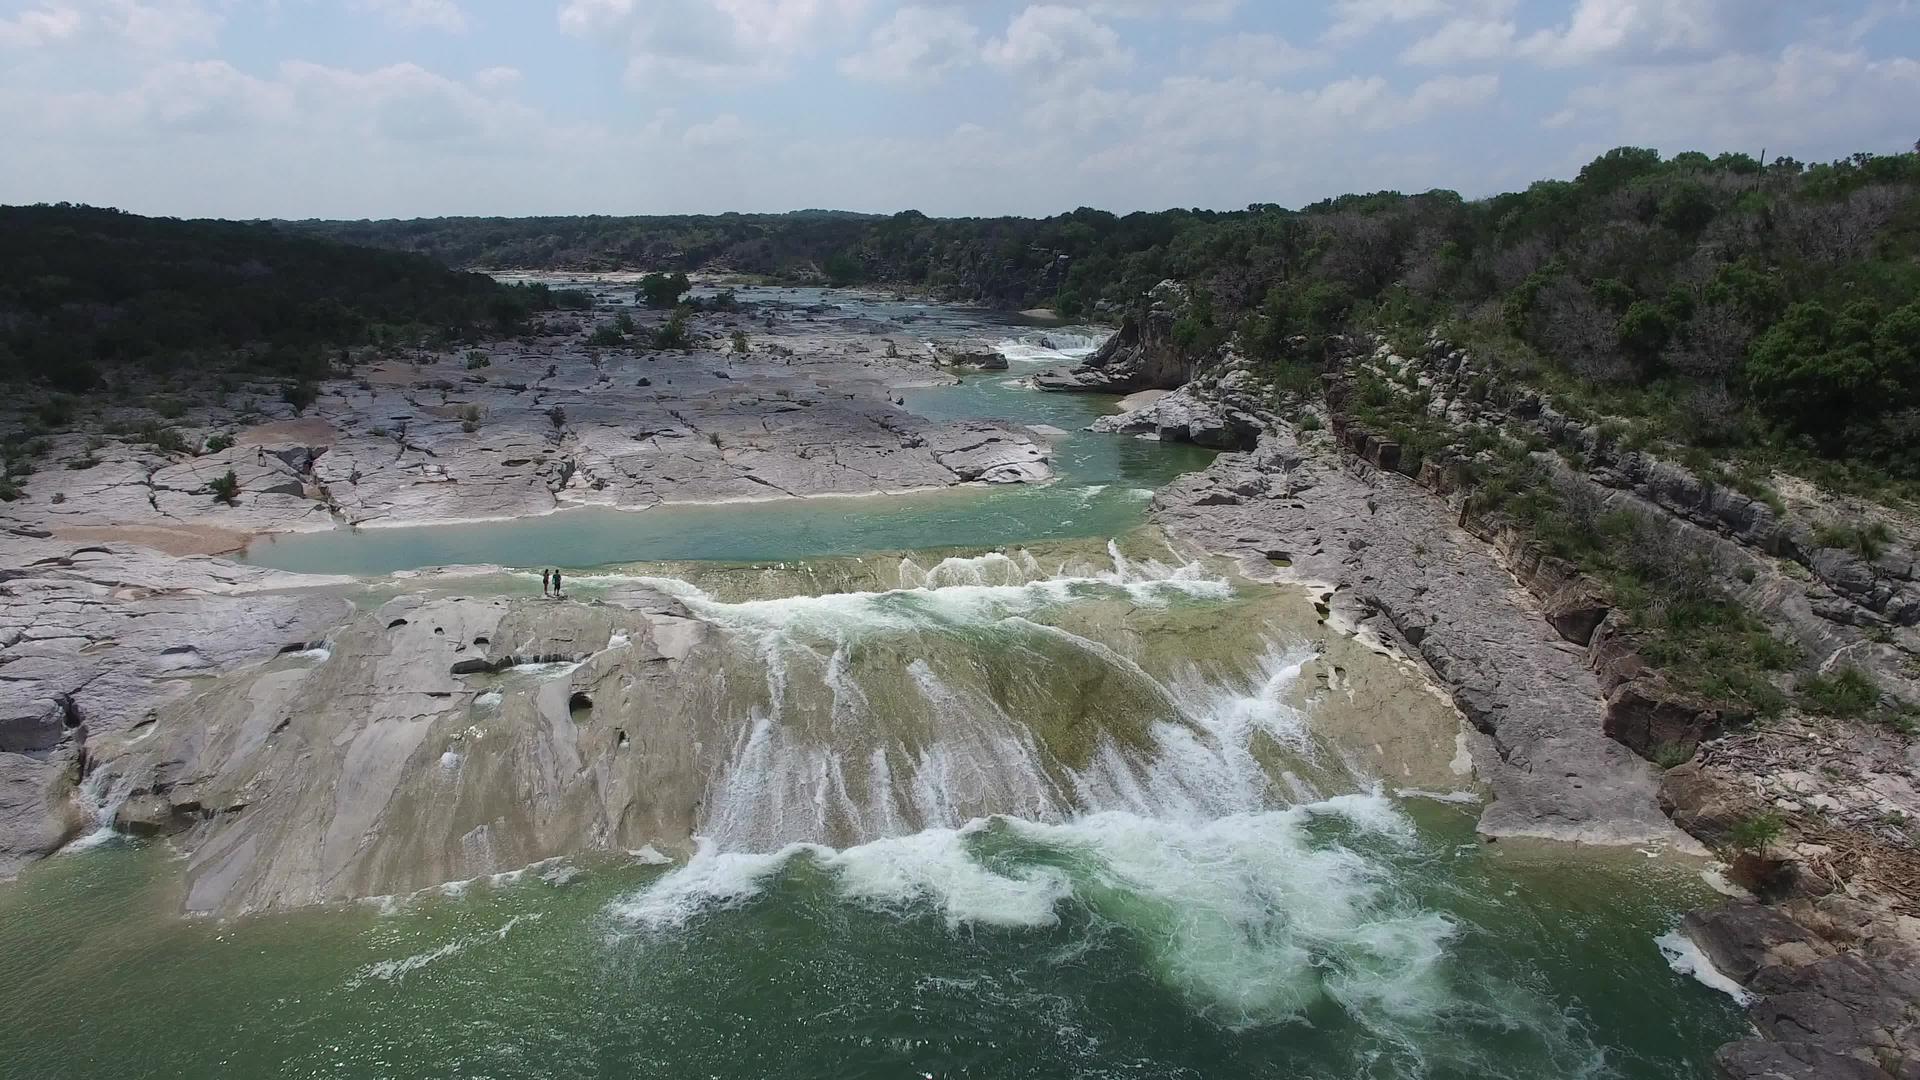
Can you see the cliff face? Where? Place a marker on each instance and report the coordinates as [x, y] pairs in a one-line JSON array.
[[1142, 356]]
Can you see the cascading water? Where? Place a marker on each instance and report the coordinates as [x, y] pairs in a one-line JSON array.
[[992, 741], [1068, 345]]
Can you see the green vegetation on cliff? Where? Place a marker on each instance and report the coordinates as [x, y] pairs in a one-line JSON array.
[[84, 291]]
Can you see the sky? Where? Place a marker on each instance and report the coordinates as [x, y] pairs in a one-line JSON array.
[[408, 108]]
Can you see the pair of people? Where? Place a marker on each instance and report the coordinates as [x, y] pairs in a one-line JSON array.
[[550, 583]]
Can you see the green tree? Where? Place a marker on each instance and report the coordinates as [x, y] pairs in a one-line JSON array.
[[663, 290], [226, 488], [842, 268], [1813, 369]]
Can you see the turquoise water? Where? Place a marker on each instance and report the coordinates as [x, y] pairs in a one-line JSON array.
[[1105, 481]]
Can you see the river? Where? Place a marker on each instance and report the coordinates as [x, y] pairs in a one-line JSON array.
[[1075, 810]]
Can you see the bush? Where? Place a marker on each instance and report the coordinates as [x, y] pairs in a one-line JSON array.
[[477, 360], [1869, 541], [557, 416], [1673, 755], [301, 395], [226, 488], [219, 442], [662, 290], [164, 439], [674, 335], [1845, 692], [740, 341], [1757, 832], [607, 335]]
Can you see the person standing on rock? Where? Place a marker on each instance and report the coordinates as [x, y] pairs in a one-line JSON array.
[[546, 581]]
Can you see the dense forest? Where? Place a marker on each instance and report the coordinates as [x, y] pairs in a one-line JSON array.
[[86, 290], [1724, 300]]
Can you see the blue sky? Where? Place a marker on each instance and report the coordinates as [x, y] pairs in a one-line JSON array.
[[378, 108]]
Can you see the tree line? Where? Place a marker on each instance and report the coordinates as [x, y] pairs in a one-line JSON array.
[[85, 290]]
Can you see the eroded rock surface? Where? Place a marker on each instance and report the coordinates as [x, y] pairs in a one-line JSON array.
[[1394, 560], [543, 424], [97, 640]]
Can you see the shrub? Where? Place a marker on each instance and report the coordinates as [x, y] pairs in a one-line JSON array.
[[674, 335], [557, 416], [1756, 832], [607, 335], [226, 488], [740, 341], [1843, 692], [662, 290], [219, 442], [57, 411], [1869, 541], [301, 395], [164, 439], [477, 360], [1673, 755]]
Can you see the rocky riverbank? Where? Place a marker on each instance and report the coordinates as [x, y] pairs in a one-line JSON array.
[[1551, 675], [784, 401], [101, 632]]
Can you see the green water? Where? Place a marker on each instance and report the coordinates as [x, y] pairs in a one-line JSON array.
[[1539, 973], [1104, 484], [1366, 936]]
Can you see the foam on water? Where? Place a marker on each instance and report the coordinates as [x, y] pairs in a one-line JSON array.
[[1686, 958], [1064, 346], [1255, 917], [397, 970]]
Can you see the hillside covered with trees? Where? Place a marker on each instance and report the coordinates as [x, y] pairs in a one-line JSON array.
[[84, 291], [1719, 300]]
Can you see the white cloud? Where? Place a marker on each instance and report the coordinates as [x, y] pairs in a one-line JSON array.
[[1648, 29], [497, 78], [40, 26], [1355, 19], [418, 14], [1261, 56], [1204, 10], [708, 40], [726, 129], [1050, 43], [1464, 41], [1805, 96], [918, 45], [144, 25]]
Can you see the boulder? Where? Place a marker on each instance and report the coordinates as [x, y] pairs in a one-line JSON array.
[[969, 356], [1699, 802], [1650, 717], [1577, 611], [1743, 938], [1756, 1059]]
